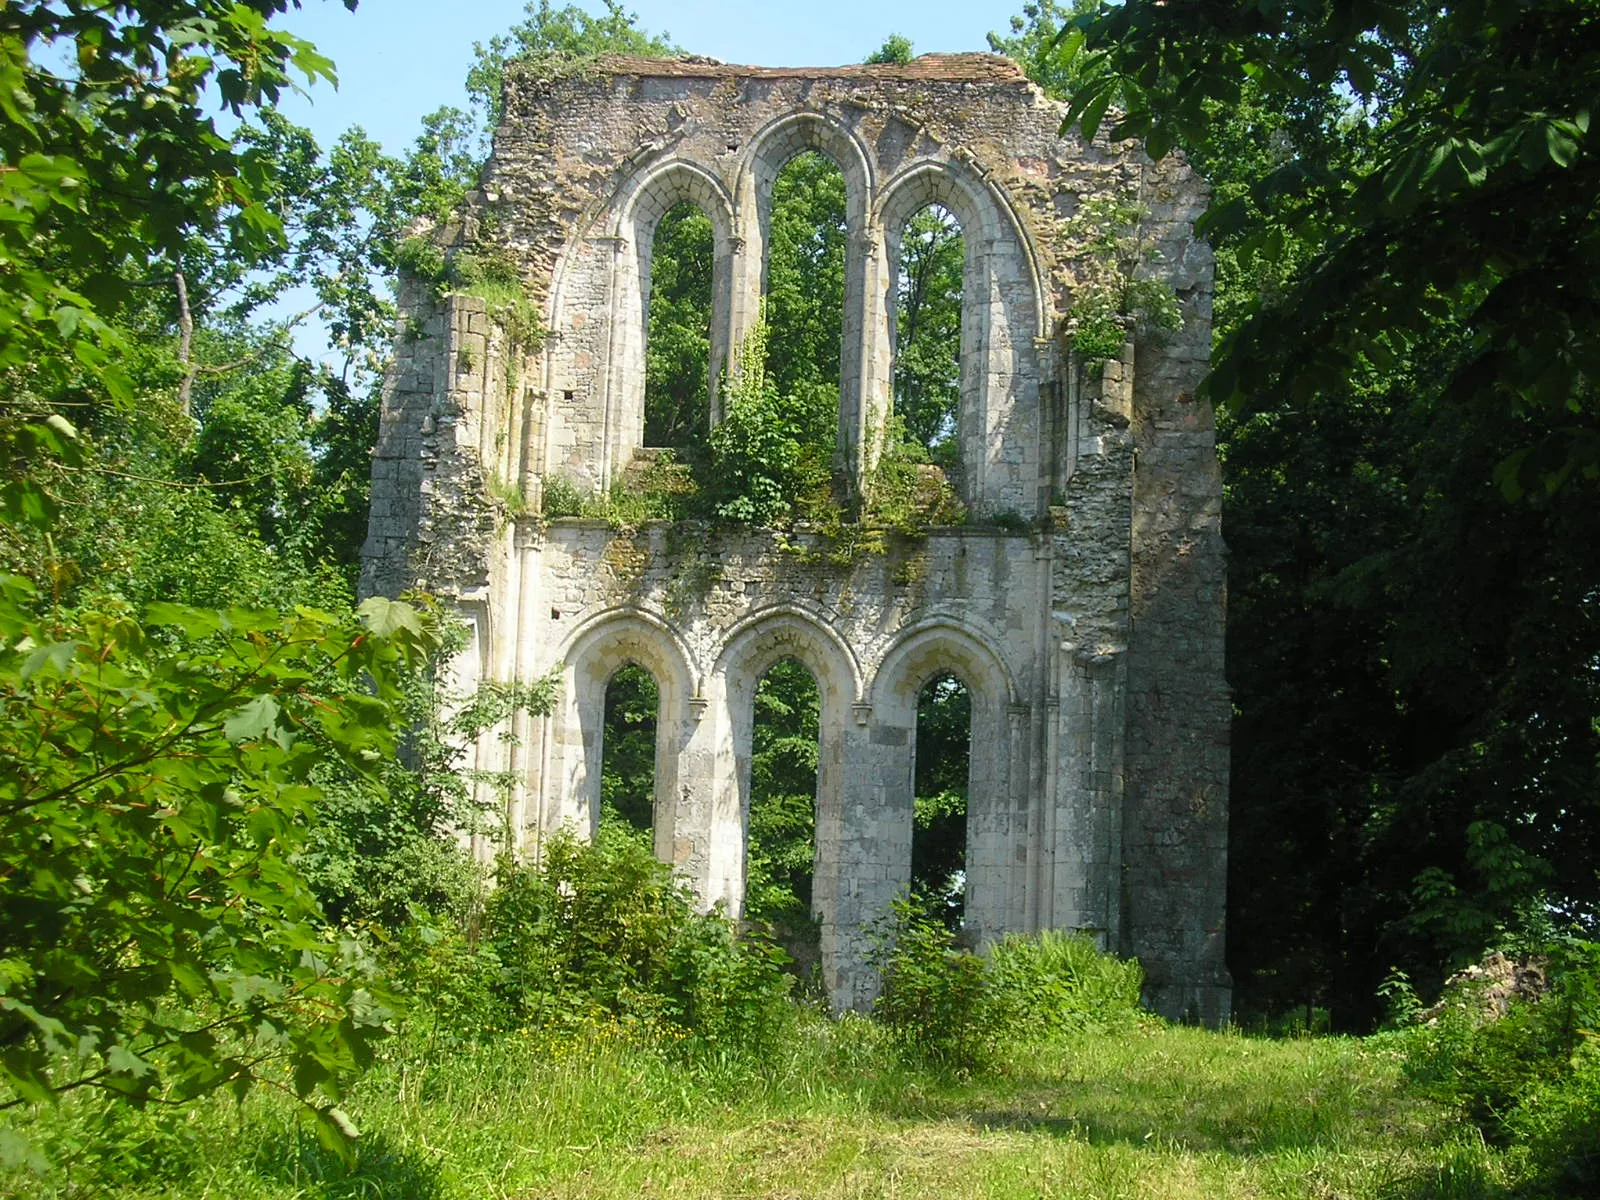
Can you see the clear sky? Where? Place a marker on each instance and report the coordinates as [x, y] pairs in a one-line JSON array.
[[400, 59]]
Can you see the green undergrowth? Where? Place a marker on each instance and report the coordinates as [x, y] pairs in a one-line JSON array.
[[834, 1111], [584, 1030]]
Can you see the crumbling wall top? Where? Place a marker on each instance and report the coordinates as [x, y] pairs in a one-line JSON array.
[[936, 68]]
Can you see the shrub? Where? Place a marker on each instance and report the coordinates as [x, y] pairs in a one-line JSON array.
[[1529, 1080], [1052, 983], [950, 1008], [602, 928], [934, 998], [159, 779], [755, 453], [560, 498], [905, 491]]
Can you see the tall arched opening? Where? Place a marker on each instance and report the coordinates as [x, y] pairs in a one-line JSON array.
[[942, 783], [928, 259], [953, 704], [628, 750], [678, 295], [807, 241], [781, 832]]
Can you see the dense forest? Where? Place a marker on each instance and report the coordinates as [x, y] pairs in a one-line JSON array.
[[228, 810]]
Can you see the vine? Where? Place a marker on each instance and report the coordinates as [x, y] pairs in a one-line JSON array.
[[1113, 297]]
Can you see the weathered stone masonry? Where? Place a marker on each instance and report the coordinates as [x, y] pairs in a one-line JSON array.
[[1091, 643]]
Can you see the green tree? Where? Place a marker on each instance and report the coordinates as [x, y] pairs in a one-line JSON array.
[[678, 341], [557, 33], [1473, 204], [159, 779], [628, 769], [1034, 35], [805, 294], [896, 49], [939, 832], [114, 165], [927, 353], [1405, 238], [783, 796]]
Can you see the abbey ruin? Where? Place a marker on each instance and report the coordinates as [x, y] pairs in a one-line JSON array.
[[1081, 604]]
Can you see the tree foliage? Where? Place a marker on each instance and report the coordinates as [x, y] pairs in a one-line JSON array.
[[896, 49], [927, 352], [678, 335], [160, 778], [565, 33], [1403, 217], [628, 766], [1474, 206], [783, 796], [114, 165], [805, 294], [939, 821]]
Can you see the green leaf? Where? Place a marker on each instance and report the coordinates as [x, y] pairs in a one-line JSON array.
[[1560, 144], [1159, 143], [55, 655], [332, 1133], [386, 617], [17, 1153], [1095, 110], [190, 979], [254, 720], [124, 1061]]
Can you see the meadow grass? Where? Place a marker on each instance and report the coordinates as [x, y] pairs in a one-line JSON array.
[[834, 1112]]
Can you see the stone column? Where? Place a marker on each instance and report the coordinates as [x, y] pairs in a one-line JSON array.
[[863, 850]]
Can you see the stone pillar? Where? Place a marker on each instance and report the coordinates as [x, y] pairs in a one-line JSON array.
[[863, 851], [863, 362], [694, 831], [992, 841]]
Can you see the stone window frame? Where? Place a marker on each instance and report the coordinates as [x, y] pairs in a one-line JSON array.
[[768, 151], [944, 645], [749, 650], [644, 200], [1004, 312], [999, 264], [594, 653]]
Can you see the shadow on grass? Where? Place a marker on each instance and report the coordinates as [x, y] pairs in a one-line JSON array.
[[1237, 1120], [1458, 1170], [381, 1170]]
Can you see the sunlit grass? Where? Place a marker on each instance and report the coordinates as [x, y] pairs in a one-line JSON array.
[[1160, 1112]]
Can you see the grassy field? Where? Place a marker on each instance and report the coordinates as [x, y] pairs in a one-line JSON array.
[[1160, 1112]]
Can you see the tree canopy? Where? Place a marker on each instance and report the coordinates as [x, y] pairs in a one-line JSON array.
[[1404, 222]]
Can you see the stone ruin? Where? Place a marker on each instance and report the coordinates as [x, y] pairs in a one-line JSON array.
[[1081, 606]]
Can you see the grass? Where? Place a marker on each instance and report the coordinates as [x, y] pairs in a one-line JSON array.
[[1161, 1112]]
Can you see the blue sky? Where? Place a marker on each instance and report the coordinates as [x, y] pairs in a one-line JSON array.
[[400, 59]]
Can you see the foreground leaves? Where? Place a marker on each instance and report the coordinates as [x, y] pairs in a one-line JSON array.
[[156, 781]]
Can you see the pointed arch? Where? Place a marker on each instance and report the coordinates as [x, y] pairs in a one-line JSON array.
[[611, 255], [1003, 318], [769, 150], [593, 653], [932, 646]]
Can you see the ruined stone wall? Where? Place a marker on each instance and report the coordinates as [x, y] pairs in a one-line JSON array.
[[1082, 607]]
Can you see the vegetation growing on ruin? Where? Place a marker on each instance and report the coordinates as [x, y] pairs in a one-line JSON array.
[[1116, 299]]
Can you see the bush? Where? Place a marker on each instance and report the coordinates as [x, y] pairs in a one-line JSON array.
[[934, 998], [1556, 1124], [560, 498], [1052, 983], [159, 780], [603, 929], [1529, 1080], [952, 1009]]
